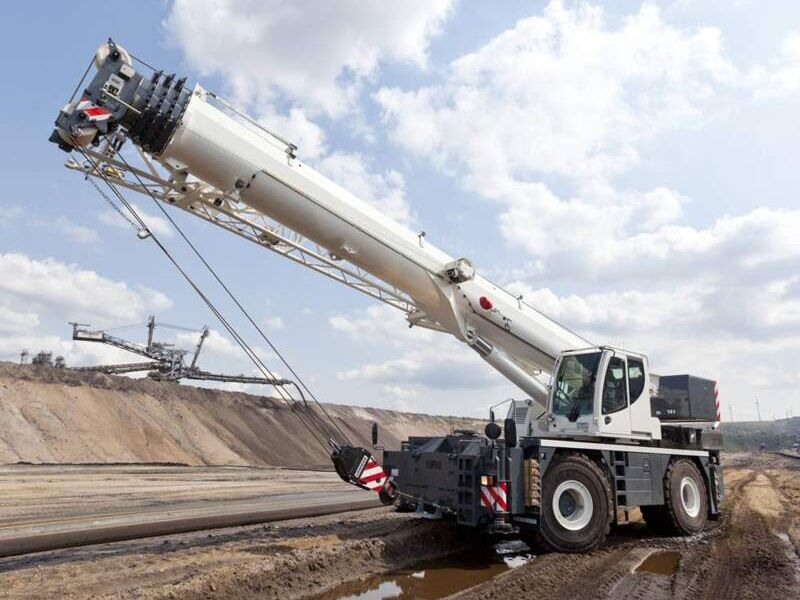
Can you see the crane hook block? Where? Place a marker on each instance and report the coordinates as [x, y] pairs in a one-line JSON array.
[[358, 467]]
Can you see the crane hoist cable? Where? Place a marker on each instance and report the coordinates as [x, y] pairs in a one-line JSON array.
[[114, 206], [179, 327], [282, 393], [82, 79], [231, 295], [239, 340], [145, 232]]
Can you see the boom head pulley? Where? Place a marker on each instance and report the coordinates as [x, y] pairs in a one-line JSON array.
[[149, 109]]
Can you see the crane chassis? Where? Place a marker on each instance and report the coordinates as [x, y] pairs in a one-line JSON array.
[[597, 433]]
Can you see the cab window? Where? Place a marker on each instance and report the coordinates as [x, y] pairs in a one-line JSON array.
[[615, 393], [635, 378], [573, 395]]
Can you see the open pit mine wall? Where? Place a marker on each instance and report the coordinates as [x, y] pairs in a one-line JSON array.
[[55, 416]]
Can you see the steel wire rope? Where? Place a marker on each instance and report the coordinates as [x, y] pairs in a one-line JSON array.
[[113, 204], [139, 60], [234, 299], [291, 402], [80, 83], [123, 327], [194, 249]]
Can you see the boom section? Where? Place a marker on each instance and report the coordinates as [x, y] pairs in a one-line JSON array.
[[228, 155], [197, 141]]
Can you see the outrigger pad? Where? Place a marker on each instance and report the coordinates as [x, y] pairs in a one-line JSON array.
[[359, 467]]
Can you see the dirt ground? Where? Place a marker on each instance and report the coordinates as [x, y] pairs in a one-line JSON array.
[[751, 553], [291, 559], [35, 491]]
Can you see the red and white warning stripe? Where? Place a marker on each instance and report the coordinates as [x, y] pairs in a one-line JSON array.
[[372, 476], [716, 401], [92, 111], [495, 496]]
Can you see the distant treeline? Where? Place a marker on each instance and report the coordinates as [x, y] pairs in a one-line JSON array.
[[775, 435]]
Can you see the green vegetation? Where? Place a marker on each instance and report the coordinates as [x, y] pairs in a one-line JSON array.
[[749, 435]]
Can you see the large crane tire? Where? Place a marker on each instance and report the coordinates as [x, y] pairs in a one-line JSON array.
[[577, 508], [685, 498]]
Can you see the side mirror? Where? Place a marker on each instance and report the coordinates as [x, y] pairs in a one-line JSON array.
[[374, 433], [510, 432], [492, 430], [491, 416]]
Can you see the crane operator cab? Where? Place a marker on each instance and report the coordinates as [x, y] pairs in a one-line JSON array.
[[600, 391]]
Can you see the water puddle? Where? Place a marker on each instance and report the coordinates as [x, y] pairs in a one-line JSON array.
[[660, 563], [429, 580]]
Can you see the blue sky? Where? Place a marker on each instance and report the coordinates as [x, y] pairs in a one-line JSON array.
[[631, 169]]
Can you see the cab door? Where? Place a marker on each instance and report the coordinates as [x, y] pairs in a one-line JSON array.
[[642, 421], [614, 402]]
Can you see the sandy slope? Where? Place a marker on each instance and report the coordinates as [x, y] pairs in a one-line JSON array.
[[52, 416]]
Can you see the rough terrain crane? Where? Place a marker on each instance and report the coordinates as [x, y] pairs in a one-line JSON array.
[[597, 435]]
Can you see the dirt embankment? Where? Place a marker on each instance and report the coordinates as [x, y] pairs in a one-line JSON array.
[[56, 416]]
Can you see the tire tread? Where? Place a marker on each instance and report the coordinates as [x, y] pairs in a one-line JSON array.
[[663, 519], [591, 465]]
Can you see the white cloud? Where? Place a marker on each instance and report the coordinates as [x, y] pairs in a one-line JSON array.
[[782, 77], [600, 243], [314, 54], [65, 290], [9, 215], [297, 128], [385, 191], [381, 322], [561, 93], [73, 231], [564, 99], [400, 392], [621, 313], [275, 323], [428, 360], [158, 225], [215, 343], [17, 321], [546, 117], [76, 354]]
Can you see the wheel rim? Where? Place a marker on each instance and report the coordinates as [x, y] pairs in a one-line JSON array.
[[572, 505], [690, 496]]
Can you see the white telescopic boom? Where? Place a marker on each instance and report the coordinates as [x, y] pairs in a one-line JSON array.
[[230, 155], [222, 151]]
